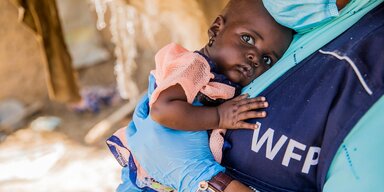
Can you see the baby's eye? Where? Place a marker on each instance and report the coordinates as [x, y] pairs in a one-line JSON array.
[[248, 39], [267, 60]]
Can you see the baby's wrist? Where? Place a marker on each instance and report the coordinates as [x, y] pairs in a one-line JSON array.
[[219, 119]]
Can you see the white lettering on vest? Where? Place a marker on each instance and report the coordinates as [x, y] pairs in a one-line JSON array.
[[289, 152], [272, 150], [309, 159]]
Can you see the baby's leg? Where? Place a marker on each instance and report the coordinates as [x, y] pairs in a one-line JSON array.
[[127, 184], [133, 175]]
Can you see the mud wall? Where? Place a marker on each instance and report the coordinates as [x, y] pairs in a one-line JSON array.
[[21, 67], [140, 27], [158, 22]]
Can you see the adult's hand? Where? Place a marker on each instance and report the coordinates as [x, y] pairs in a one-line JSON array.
[[180, 159]]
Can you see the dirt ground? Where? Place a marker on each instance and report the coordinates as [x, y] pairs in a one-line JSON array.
[[60, 160]]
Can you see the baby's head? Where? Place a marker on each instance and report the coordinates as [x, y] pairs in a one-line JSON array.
[[245, 40]]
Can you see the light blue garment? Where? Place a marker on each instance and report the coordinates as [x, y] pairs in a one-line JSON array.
[[302, 15], [358, 164]]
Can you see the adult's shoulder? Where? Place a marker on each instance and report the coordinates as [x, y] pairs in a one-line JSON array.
[[361, 47]]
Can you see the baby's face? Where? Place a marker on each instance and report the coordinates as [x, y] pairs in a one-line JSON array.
[[248, 44]]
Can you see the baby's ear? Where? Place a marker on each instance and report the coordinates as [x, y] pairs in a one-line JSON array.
[[216, 26]]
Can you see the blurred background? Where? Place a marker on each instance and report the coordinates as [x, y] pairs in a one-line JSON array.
[[70, 74]]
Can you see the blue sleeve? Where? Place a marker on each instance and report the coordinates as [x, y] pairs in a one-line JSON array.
[[358, 164]]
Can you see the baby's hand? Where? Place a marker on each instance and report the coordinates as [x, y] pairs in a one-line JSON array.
[[233, 112]]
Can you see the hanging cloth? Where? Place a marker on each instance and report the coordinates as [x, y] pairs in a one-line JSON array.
[[42, 17]]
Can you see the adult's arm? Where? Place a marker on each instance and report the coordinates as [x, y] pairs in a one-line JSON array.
[[236, 186], [358, 164]]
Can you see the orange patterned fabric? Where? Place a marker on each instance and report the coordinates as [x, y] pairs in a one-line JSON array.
[[215, 90], [177, 65], [216, 142]]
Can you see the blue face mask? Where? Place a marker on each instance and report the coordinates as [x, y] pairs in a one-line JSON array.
[[301, 15]]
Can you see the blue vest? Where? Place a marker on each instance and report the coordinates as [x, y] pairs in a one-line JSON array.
[[311, 109]]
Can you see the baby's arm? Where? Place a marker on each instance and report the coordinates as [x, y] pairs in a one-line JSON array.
[[172, 110]]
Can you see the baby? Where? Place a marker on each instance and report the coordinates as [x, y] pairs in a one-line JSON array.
[[200, 90]]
